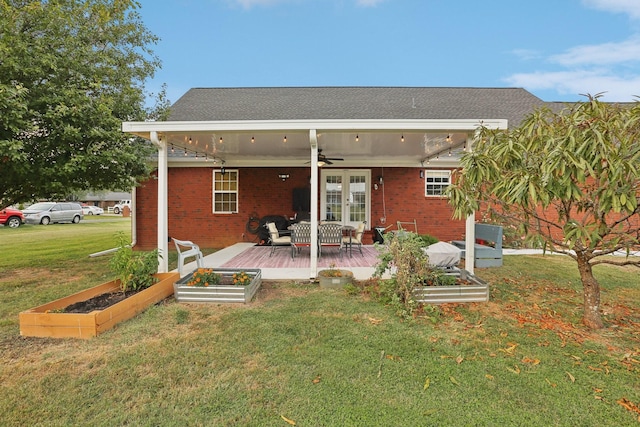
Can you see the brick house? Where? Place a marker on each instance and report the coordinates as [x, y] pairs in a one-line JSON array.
[[374, 154]]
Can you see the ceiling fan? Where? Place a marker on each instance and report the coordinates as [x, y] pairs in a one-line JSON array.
[[324, 160]]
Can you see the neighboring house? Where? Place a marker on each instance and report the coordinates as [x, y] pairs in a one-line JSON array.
[[375, 154], [106, 199]]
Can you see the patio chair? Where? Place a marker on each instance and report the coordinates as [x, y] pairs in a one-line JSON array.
[[275, 238], [355, 239], [330, 234], [192, 250], [300, 237]]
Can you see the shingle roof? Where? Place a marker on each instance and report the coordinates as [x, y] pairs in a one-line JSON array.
[[335, 103]]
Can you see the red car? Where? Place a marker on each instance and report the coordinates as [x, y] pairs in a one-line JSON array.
[[10, 217]]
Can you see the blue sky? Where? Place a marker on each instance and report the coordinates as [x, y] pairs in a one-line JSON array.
[[556, 49]]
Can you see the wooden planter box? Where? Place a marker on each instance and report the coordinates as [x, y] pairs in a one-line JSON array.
[[335, 282], [477, 291], [42, 321], [219, 293]]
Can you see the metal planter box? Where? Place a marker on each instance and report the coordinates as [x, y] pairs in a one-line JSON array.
[[219, 293], [477, 291]]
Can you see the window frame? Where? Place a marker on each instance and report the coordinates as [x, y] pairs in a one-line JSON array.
[[227, 191], [444, 174]]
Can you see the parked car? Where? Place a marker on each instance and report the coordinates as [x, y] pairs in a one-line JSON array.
[[117, 208], [10, 217], [92, 210], [48, 212]]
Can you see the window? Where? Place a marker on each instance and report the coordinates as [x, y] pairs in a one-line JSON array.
[[225, 191], [435, 182]]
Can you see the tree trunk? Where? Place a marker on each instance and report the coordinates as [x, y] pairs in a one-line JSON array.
[[591, 293]]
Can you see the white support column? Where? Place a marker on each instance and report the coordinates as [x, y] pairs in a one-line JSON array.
[[469, 244], [313, 140], [163, 216]]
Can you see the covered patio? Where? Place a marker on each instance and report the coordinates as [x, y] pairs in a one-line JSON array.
[[335, 129]]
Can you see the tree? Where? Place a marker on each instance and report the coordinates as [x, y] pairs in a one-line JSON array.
[[70, 72], [569, 180]]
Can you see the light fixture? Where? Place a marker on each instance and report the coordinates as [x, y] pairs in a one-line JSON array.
[[190, 141], [464, 147], [380, 179], [283, 176], [421, 173], [284, 139], [402, 138], [173, 150], [357, 138], [321, 163], [448, 138], [253, 140], [449, 152], [221, 142], [222, 170]]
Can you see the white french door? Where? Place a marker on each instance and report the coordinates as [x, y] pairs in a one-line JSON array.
[[345, 196]]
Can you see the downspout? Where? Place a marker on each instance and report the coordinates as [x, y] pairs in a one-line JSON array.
[[163, 216]]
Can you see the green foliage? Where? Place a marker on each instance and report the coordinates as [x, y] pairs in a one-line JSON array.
[[567, 181], [403, 256], [135, 269], [428, 239], [204, 277], [70, 73]]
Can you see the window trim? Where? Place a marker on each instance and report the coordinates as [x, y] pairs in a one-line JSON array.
[[214, 192], [437, 173]]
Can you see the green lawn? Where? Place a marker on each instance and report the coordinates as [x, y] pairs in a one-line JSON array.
[[318, 357]]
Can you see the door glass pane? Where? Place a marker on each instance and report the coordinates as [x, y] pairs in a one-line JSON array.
[[333, 200], [357, 198]]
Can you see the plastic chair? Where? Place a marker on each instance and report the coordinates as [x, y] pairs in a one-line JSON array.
[[193, 250], [275, 238]]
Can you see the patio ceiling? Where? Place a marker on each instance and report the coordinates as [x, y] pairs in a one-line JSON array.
[[276, 143]]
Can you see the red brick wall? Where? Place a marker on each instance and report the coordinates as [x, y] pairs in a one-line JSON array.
[[191, 214]]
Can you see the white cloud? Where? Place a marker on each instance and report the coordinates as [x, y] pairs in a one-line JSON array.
[[607, 53], [574, 83], [629, 7]]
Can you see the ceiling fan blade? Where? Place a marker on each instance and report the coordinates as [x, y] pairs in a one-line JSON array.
[[334, 158]]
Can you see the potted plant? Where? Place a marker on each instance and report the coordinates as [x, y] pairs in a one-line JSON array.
[[218, 285], [334, 278], [137, 287]]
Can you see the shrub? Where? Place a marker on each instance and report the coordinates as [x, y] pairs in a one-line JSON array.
[[134, 269]]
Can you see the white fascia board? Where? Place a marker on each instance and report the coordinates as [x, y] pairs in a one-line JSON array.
[[140, 128]]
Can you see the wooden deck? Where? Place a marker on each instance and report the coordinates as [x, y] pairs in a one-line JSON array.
[[281, 266]]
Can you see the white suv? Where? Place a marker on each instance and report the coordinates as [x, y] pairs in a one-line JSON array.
[[117, 209]]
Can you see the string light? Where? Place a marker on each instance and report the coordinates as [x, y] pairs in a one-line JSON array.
[[402, 138], [357, 138], [253, 140], [221, 142], [285, 139]]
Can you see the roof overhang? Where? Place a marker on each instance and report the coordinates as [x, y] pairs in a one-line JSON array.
[[361, 143]]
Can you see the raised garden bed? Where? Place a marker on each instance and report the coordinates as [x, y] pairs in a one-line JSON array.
[[50, 320], [334, 279], [468, 289], [226, 291]]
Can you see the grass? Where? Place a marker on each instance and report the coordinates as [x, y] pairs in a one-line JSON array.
[[320, 357]]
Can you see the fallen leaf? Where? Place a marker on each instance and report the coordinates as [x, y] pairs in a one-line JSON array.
[[550, 383], [628, 405], [597, 390], [287, 420], [459, 359], [516, 370], [589, 351], [509, 350], [427, 383], [316, 380], [571, 377], [532, 361], [593, 368], [598, 397], [489, 377], [453, 380], [374, 321], [393, 357], [430, 412]]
